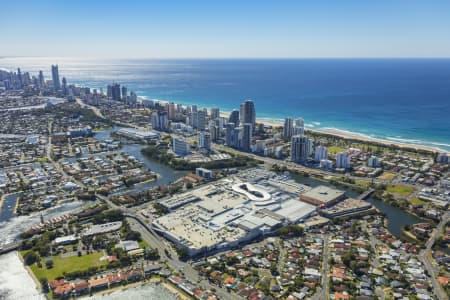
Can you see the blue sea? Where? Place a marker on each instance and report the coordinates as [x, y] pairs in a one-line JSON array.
[[403, 100]]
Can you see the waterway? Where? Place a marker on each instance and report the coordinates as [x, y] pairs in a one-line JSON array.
[[397, 218], [11, 225], [15, 282], [8, 206], [166, 174]]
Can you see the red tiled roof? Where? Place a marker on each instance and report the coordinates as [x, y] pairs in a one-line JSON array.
[[63, 289], [55, 283], [339, 296], [81, 286], [443, 280]]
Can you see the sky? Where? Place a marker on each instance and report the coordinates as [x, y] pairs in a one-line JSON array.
[[225, 29]]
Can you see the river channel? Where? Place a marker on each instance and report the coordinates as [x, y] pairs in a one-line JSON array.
[[397, 218]]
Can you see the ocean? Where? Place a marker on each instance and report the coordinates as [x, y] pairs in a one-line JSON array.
[[401, 100]]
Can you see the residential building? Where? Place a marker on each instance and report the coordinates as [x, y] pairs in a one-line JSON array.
[[321, 153], [234, 117], [215, 113], [299, 127], [374, 162], [204, 140], [299, 148], [248, 114], [342, 160], [55, 77], [246, 136], [288, 128], [180, 146]]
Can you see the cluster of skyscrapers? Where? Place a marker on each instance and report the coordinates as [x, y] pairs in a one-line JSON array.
[[117, 93], [18, 80], [237, 132], [240, 126]]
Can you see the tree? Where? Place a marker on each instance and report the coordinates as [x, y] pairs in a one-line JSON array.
[[30, 258], [49, 263], [294, 230], [182, 252], [232, 260], [273, 268], [44, 284]]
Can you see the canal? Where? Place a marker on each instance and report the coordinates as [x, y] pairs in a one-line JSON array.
[[166, 174], [11, 225], [8, 206], [396, 217]]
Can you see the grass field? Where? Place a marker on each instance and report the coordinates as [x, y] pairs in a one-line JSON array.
[[362, 183], [400, 190], [143, 244], [417, 201], [332, 150], [387, 176], [69, 264]]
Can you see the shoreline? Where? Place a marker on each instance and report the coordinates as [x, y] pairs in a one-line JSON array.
[[2, 199], [352, 136], [356, 136]]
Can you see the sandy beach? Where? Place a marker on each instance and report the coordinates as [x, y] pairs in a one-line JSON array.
[[360, 137], [2, 198]]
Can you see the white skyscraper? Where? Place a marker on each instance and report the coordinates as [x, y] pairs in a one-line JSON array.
[[160, 121], [204, 140], [299, 127], [229, 134], [215, 113], [247, 113], [321, 153], [55, 78], [201, 120], [326, 164], [342, 160], [180, 146], [299, 148], [155, 120], [374, 162], [288, 128], [245, 139]]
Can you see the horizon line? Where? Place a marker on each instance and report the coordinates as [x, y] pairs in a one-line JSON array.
[[230, 58]]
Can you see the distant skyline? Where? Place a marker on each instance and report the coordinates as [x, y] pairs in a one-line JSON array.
[[228, 29]]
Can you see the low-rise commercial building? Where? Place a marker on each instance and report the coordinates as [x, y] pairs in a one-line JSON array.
[[322, 196]]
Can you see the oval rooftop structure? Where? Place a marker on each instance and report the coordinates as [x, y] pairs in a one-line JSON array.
[[252, 192]]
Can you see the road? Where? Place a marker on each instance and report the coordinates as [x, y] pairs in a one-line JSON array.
[[376, 261], [323, 292], [425, 257], [281, 256], [97, 112], [299, 168]]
